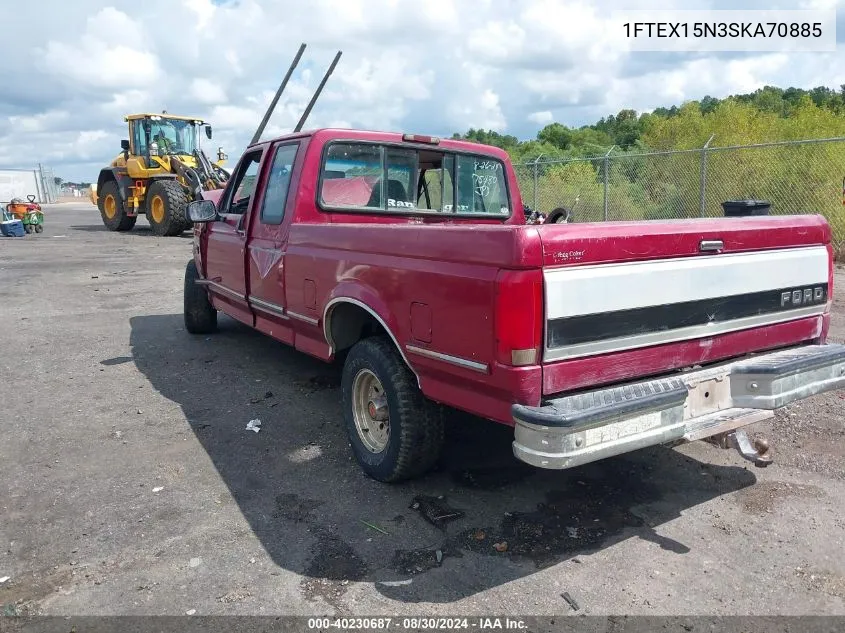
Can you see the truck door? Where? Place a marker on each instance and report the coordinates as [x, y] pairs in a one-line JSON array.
[[269, 228], [226, 248]]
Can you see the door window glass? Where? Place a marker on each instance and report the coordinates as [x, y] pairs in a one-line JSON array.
[[278, 183]]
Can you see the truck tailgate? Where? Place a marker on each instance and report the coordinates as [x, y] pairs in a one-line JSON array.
[[614, 288]]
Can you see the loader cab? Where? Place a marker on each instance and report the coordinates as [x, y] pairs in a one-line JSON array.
[[159, 135]]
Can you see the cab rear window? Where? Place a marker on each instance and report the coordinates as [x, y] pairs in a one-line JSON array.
[[394, 179]]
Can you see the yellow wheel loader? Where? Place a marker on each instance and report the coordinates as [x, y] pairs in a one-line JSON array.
[[160, 170]]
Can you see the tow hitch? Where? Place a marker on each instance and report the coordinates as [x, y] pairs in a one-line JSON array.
[[756, 452]]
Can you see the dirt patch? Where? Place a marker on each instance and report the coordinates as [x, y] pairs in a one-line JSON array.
[[809, 435], [493, 478], [20, 596], [572, 521], [333, 566], [322, 382], [294, 508], [568, 522], [822, 581], [762, 497], [418, 561], [235, 595]]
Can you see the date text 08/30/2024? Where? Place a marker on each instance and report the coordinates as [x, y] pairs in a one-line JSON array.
[[416, 623]]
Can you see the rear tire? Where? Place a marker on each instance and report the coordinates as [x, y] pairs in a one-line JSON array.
[[200, 315], [111, 208], [39, 228], [376, 382], [27, 228], [167, 204]]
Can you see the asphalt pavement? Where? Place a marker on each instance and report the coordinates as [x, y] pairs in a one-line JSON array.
[[130, 485]]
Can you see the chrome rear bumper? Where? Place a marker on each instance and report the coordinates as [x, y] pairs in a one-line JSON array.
[[576, 429]]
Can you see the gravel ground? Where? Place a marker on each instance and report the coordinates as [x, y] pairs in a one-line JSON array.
[[131, 486]]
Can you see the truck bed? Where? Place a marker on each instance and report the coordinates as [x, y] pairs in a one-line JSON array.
[[447, 275]]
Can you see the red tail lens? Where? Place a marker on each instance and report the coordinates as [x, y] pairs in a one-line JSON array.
[[519, 317]]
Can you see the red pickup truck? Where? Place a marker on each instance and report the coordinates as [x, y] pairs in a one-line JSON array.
[[410, 258]]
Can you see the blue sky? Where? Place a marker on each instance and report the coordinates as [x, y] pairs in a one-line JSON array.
[[435, 67]]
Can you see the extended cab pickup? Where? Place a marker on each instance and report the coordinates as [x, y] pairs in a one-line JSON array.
[[410, 259]]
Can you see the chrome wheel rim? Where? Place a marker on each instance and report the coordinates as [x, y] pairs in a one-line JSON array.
[[370, 411]]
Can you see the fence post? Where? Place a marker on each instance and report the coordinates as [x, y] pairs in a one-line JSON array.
[[536, 160], [39, 184], [606, 165], [45, 193], [702, 177]]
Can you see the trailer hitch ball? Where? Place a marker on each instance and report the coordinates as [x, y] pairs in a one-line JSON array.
[[756, 452]]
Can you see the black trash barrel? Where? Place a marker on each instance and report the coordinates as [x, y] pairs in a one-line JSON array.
[[742, 208]]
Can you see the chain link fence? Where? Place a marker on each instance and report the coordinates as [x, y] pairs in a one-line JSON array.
[[21, 183], [49, 188], [794, 176]]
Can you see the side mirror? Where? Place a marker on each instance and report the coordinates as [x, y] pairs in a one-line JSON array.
[[208, 131], [200, 211], [124, 145]]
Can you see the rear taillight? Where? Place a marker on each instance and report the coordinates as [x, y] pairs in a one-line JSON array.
[[519, 317], [830, 268]]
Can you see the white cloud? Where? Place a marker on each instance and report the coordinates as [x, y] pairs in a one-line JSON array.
[[543, 117], [207, 91], [438, 66], [37, 122], [104, 57]]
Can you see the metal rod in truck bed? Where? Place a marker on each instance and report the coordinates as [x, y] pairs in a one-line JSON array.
[[279, 92]]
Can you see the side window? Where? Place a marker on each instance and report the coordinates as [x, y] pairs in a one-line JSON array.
[[435, 188], [352, 176], [481, 186], [278, 182], [401, 178], [243, 185], [139, 139]]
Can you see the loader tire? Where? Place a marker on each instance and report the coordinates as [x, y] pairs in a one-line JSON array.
[[200, 316], [396, 433], [111, 208], [167, 205]]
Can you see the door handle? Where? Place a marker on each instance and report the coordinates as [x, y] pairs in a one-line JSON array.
[[710, 245]]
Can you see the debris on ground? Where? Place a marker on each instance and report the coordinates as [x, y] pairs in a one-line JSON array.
[[236, 595], [190, 612], [565, 595], [195, 562], [439, 555], [396, 583], [374, 527], [479, 535], [267, 396], [4, 579], [254, 425], [158, 488], [501, 547], [435, 511]]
